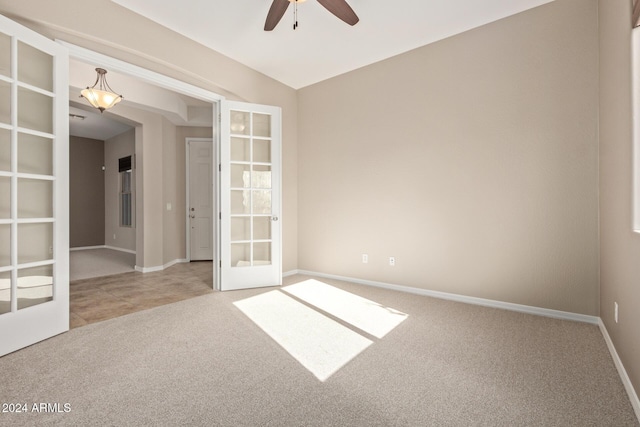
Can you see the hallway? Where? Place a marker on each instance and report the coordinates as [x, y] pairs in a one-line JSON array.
[[101, 298]]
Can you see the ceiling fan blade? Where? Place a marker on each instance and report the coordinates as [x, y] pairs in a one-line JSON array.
[[341, 9], [278, 8]]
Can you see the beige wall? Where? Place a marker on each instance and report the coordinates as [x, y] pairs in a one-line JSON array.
[[473, 161], [86, 192], [149, 150], [174, 176], [149, 45], [114, 234], [171, 226], [619, 246]]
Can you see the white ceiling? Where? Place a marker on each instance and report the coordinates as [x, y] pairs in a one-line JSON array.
[[322, 46], [87, 122]]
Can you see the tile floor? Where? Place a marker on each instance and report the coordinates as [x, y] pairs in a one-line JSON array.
[[102, 298]]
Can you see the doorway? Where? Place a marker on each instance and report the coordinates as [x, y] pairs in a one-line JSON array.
[[102, 235], [44, 213], [247, 146]]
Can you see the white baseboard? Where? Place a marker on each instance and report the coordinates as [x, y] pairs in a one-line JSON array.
[[85, 248], [174, 262], [546, 312], [159, 267], [129, 251], [626, 381], [148, 269], [633, 396]]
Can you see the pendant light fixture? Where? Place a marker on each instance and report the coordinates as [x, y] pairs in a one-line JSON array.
[[100, 95]]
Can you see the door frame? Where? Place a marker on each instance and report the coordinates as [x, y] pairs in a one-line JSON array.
[[214, 161], [166, 82]]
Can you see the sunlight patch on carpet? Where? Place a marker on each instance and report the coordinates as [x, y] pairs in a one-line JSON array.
[[319, 343], [366, 315]]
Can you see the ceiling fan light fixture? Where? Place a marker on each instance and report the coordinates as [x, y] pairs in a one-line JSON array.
[[100, 95], [339, 8]]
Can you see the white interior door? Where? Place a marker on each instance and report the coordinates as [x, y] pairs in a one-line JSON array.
[[250, 191], [200, 209], [34, 183]]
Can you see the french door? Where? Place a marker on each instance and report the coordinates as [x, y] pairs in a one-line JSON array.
[[250, 191], [34, 203]]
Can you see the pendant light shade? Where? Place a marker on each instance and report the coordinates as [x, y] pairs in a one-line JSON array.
[[100, 95]]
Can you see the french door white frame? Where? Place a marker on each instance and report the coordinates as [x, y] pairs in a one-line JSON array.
[[254, 273], [187, 169], [21, 327], [112, 64]]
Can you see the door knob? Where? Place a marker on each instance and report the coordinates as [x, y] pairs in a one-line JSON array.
[[274, 218]]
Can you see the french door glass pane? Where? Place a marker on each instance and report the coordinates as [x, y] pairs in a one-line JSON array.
[[5, 245], [5, 150], [35, 242], [5, 102], [35, 154], [261, 177], [35, 67], [5, 292], [240, 123], [262, 125], [35, 286], [240, 228], [35, 110], [261, 201], [240, 254], [262, 253], [240, 202], [262, 228], [262, 151], [240, 177], [240, 150], [5, 197], [5, 55], [35, 198]]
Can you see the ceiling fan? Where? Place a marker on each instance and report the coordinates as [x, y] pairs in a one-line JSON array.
[[339, 8]]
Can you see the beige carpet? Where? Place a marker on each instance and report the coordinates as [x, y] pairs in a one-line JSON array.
[[88, 263], [204, 362]]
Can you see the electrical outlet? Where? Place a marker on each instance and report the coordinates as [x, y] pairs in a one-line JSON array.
[[615, 313], [392, 261], [365, 258], [114, 236]]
